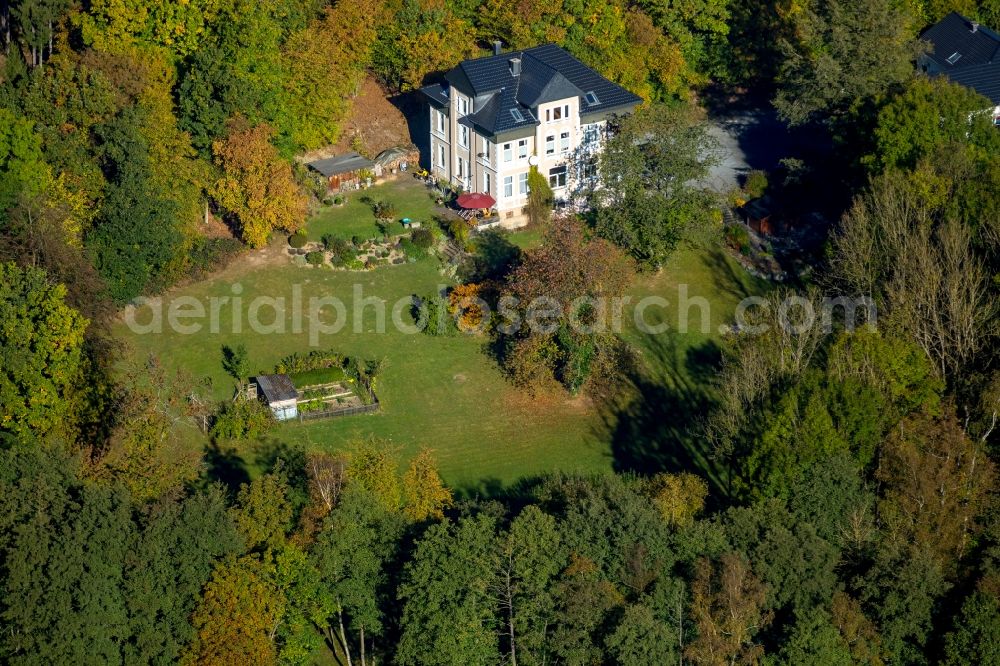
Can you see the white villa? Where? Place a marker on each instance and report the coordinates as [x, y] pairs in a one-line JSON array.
[[495, 117]]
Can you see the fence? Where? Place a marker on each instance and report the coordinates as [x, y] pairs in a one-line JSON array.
[[340, 411]]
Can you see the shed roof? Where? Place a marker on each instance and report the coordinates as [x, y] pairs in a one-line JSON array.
[[276, 388], [346, 163]]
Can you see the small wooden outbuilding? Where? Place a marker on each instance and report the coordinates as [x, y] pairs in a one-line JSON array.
[[343, 172], [278, 392], [759, 214]]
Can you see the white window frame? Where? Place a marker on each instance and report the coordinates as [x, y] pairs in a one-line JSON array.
[[591, 134], [557, 174], [522, 182], [508, 186], [463, 136], [440, 120], [522, 149], [461, 167], [487, 185], [550, 144], [564, 142], [486, 150], [463, 107], [441, 155], [508, 152]]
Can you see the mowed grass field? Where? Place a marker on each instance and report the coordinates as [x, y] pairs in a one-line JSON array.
[[446, 393], [354, 217]]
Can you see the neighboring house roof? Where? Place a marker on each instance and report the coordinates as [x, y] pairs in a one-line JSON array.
[[334, 166], [506, 99], [276, 388], [958, 42], [984, 79]]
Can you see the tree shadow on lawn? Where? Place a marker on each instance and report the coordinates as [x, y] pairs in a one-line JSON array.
[[729, 278], [656, 423], [226, 466]]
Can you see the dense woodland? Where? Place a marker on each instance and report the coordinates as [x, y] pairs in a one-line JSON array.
[[856, 514]]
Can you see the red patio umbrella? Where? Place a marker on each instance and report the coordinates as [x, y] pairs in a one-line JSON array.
[[476, 200]]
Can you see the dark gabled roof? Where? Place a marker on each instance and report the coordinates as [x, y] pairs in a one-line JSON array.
[[984, 79], [437, 94], [548, 73], [954, 35], [541, 83], [276, 388], [346, 163]]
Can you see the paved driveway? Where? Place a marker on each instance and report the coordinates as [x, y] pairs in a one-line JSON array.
[[756, 140]]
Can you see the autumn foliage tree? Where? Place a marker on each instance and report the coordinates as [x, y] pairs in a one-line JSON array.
[[727, 603], [257, 187], [424, 493], [562, 292]]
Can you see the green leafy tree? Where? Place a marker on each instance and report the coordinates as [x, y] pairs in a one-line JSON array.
[[353, 555], [22, 167], [136, 241], [65, 566], [648, 196], [448, 612], [931, 114], [173, 559], [263, 514], [236, 362], [843, 55], [40, 354], [973, 641]]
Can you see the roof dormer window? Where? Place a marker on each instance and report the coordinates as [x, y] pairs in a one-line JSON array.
[[591, 98]]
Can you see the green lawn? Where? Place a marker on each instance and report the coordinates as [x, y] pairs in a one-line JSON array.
[[447, 394], [410, 196]]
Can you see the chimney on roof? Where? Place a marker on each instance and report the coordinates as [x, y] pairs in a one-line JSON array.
[[515, 67], [975, 26], [497, 47]]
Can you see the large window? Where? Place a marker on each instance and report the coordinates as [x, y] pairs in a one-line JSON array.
[[463, 106], [508, 153], [557, 113], [522, 149], [439, 116], [487, 185], [508, 186], [486, 150], [522, 183], [557, 177], [591, 134], [550, 144], [461, 168], [589, 169], [463, 136], [564, 142], [440, 155]]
